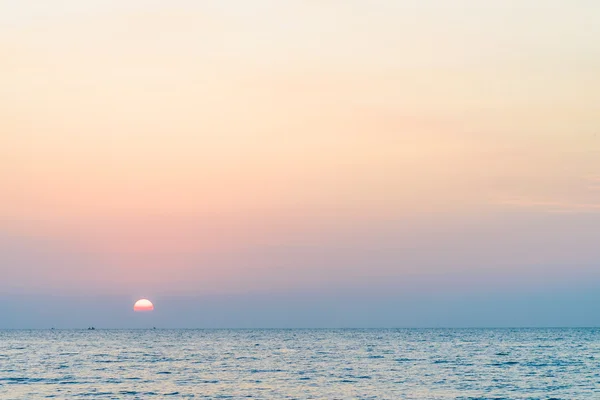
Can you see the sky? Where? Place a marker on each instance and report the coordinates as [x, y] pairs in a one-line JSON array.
[[381, 163]]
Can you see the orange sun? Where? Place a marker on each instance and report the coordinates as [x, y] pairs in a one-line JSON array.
[[143, 305]]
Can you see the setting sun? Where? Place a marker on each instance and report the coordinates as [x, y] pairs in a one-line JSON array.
[[143, 305]]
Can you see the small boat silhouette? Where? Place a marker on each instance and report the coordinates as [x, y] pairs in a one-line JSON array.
[[91, 328]]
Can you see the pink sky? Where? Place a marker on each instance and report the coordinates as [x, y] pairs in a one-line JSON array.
[[187, 148]]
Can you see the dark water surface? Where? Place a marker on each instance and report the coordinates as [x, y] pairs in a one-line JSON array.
[[301, 364]]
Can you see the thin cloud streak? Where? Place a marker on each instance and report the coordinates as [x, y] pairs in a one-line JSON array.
[[551, 206], [544, 204]]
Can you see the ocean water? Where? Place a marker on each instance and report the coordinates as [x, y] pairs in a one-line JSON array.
[[301, 364]]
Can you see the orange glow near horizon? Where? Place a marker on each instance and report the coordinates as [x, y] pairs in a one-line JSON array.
[[143, 305]]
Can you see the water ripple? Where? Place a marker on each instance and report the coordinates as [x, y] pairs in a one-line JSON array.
[[435, 364]]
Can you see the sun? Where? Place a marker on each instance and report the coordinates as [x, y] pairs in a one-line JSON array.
[[143, 305]]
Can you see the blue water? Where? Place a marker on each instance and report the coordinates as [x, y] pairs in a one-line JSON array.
[[301, 364]]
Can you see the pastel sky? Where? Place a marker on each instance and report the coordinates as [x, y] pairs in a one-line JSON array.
[[287, 163]]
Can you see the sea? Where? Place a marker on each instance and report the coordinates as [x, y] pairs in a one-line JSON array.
[[301, 364]]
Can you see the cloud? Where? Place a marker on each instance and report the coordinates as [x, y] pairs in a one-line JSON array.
[[594, 183], [590, 186], [551, 206]]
